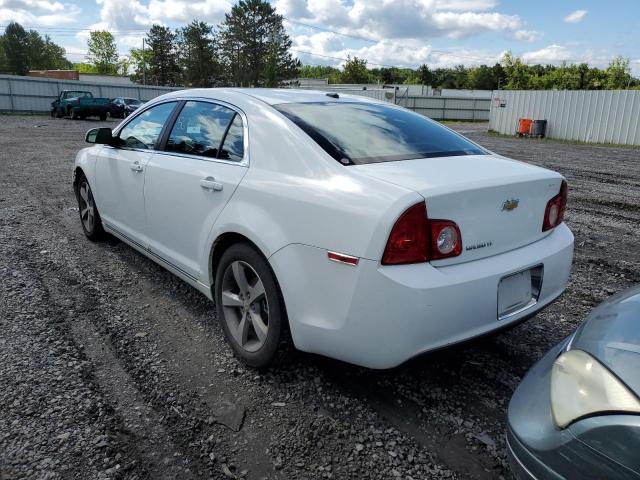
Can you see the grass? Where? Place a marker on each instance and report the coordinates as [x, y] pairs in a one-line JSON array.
[[493, 133]]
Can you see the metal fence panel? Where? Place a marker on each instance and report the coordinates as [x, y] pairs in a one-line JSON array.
[[600, 116], [27, 94], [448, 108]]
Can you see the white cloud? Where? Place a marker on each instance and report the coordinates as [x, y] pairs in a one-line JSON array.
[[211, 11], [572, 53], [550, 54], [526, 35], [402, 19], [464, 4], [575, 17], [38, 13], [330, 49]]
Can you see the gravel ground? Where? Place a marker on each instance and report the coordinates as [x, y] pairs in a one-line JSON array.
[[113, 368]]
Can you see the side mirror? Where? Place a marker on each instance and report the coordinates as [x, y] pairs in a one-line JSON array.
[[102, 136]]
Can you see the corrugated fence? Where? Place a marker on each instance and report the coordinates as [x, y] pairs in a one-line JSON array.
[[448, 108], [598, 116], [30, 95]]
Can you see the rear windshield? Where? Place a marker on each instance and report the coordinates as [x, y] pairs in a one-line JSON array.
[[359, 133], [132, 101]]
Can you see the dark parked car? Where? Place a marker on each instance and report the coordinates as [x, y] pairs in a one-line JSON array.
[[577, 412], [79, 104], [122, 107]]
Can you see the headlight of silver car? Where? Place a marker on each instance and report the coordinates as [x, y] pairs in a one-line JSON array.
[[581, 386]]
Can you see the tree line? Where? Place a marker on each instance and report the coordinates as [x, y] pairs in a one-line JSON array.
[[511, 73], [251, 48]]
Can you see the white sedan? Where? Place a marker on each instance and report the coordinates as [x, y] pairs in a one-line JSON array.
[[334, 224]]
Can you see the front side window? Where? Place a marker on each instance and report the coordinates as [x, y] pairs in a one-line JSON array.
[[202, 127], [144, 130], [360, 133]]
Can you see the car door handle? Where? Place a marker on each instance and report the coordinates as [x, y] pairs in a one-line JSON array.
[[136, 167], [209, 183]]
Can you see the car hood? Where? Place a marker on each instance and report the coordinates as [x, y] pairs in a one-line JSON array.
[[611, 333]]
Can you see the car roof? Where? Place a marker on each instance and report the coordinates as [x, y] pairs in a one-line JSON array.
[[273, 96]]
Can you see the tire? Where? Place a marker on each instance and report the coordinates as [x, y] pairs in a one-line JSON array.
[[103, 116], [266, 338], [59, 113], [89, 215]]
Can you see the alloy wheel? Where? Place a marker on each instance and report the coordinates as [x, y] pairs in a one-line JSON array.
[[245, 306], [87, 207]]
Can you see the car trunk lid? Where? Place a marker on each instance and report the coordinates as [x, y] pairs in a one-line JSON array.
[[497, 203]]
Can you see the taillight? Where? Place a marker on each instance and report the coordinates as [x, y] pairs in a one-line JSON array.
[[78, 100], [416, 239], [445, 239], [554, 213], [408, 241]]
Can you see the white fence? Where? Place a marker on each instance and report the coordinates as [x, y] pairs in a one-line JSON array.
[[599, 116], [30, 95], [448, 108], [436, 107]]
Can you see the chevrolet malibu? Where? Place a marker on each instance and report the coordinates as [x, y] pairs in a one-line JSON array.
[[337, 225]]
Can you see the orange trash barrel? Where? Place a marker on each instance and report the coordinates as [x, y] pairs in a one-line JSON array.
[[524, 126]]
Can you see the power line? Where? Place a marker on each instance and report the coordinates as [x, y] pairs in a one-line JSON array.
[[324, 29]]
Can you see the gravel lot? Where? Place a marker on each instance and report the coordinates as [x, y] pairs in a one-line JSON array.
[[113, 368]]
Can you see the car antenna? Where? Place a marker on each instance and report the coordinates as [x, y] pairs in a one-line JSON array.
[[332, 95]]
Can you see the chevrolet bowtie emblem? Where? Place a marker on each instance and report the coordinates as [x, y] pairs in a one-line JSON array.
[[510, 204]]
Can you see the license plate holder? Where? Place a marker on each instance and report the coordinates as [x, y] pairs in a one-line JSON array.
[[518, 291]]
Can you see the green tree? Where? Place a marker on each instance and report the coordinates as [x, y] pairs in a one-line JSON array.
[[425, 75], [4, 64], [355, 71], [250, 36], [319, 71], [55, 55], [102, 51], [163, 68], [618, 74], [481, 78], [139, 60], [15, 42], [198, 60], [516, 73]]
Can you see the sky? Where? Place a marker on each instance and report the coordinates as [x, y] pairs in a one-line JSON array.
[[403, 33]]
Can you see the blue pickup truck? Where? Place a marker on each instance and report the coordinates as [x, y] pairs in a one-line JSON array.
[[79, 104]]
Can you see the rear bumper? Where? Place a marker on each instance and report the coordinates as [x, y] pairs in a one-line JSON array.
[[380, 316]]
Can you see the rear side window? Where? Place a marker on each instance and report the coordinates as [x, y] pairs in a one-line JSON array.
[[233, 147], [143, 131], [201, 128], [360, 133]]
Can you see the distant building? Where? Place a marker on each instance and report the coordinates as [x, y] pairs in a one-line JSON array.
[[57, 74]]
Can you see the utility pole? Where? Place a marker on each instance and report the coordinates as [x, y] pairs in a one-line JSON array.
[[144, 64]]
